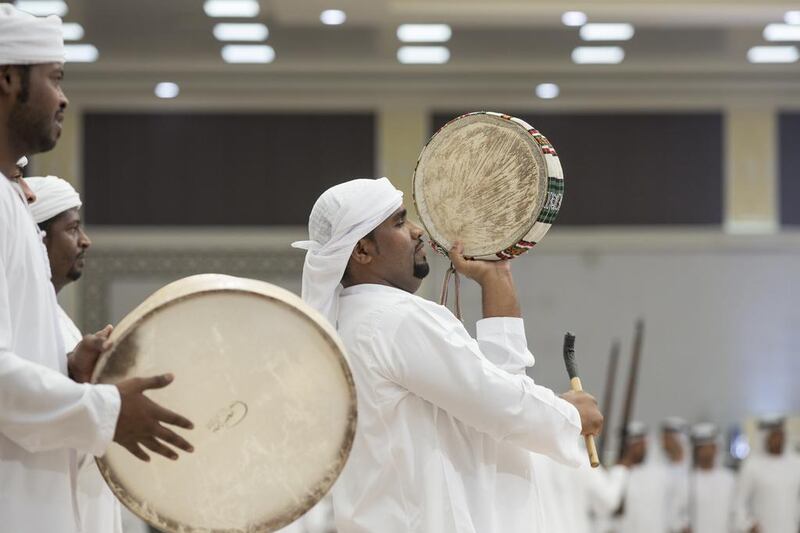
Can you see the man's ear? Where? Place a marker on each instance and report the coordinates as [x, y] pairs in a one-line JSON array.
[[8, 79], [363, 252]]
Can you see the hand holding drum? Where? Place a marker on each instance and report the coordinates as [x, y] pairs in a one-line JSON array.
[[140, 419]]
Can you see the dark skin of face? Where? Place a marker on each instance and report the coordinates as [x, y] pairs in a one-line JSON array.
[[66, 243], [704, 455], [635, 452], [672, 446], [776, 440], [394, 257], [32, 107]]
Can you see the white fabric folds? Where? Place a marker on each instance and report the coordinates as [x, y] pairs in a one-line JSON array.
[[341, 216], [29, 40], [53, 197]]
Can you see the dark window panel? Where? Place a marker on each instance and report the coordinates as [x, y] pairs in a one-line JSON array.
[[789, 128], [219, 169], [635, 169]]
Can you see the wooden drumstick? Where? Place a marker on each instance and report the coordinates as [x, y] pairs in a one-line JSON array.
[[575, 383]]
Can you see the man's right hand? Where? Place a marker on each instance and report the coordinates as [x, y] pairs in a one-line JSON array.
[[140, 418], [591, 417]]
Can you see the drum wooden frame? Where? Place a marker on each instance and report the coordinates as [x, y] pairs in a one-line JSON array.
[[274, 408], [491, 181]]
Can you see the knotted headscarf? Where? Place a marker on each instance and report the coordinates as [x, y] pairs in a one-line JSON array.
[[342, 216]]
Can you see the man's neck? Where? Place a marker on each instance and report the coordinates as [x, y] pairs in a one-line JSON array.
[[8, 161]]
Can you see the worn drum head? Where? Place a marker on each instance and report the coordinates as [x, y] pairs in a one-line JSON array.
[[486, 179], [264, 379]]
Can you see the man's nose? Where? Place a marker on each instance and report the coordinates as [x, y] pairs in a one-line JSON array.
[[85, 242], [416, 231]]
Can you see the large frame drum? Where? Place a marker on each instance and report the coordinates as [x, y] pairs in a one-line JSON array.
[[264, 379]]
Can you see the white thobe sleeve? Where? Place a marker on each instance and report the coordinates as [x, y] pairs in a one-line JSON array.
[[502, 341], [430, 354], [42, 409]]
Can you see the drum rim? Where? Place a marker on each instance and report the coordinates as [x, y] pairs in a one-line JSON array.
[[551, 168], [170, 525]]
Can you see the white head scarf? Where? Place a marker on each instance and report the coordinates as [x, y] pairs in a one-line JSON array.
[[29, 40], [53, 197], [342, 216]]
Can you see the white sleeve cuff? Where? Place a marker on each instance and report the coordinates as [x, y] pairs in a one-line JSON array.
[[108, 402], [503, 342]]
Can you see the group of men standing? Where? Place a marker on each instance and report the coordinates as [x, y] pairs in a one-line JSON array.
[[680, 484], [453, 434]]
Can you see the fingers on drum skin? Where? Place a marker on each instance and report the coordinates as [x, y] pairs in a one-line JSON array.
[[137, 451], [171, 417], [173, 438], [155, 382], [160, 448]]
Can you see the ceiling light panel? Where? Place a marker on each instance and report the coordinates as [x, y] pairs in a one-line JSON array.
[[167, 89], [333, 17], [424, 33], [81, 53], [72, 31], [773, 54], [423, 55], [606, 32], [598, 55], [574, 18], [226, 31], [231, 8], [547, 91], [248, 53], [782, 32]]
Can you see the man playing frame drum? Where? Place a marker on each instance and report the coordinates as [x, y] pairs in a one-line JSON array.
[[46, 418], [442, 416]]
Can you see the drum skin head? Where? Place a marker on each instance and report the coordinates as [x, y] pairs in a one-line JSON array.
[[264, 379], [484, 179]]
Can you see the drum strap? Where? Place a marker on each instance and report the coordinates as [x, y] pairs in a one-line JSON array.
[[451, 272]]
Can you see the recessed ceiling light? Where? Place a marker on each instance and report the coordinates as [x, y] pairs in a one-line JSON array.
[[424, 33], [773, 54], [333, 17], [547, 90], [72, 31], [606, 32], [81, 53], [601, 55], [227, 31], [42, 8], [574, 18], [782, 32], [231, 8], [423, 55], [167, 89], [248, 53], [792, 17]]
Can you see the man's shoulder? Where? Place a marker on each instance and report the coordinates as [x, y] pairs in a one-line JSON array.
[[401, 309]]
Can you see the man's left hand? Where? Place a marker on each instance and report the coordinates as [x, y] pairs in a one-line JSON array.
[[80, 363]]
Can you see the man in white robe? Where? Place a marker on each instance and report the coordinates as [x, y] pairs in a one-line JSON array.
[[46, 418], [645, 505], [674, 445], [436, 412], [55, 206], [710, 491], [571, 496], [768, 493]]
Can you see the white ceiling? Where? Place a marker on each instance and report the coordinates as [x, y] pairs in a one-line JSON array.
[[499, 47]]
